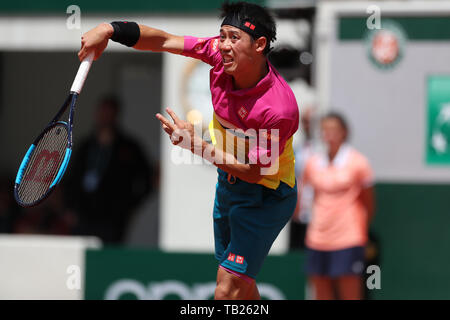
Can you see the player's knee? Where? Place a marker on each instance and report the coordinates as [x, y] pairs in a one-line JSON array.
[[229, 290]]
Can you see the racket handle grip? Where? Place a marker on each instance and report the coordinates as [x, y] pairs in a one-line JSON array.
[[82, 73]]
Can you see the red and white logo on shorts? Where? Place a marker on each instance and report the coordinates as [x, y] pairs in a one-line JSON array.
[[231, 257], [240, 259], [242, 112]]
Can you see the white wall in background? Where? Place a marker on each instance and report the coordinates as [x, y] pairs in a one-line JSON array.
[[43, 267]]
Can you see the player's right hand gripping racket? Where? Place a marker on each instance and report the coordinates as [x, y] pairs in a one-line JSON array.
[[47, 158]]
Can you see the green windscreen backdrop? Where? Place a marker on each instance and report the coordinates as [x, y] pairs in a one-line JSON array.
[[412, 222], [149, 274]]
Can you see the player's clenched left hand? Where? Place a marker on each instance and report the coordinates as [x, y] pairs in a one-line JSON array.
[[181, 132]]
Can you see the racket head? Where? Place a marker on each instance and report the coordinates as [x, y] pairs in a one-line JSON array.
[[43, 165]]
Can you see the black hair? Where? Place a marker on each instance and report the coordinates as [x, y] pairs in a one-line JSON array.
[[340, 118], [255, 13]]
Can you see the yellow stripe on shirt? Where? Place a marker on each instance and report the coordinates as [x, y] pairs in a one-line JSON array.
[[236, 144]]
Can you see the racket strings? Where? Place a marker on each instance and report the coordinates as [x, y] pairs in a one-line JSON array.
[[44, 164]]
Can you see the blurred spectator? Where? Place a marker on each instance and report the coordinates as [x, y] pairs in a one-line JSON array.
[[108, 178], [302, 214], [342, 210], [46, 218], [49, 217], [8, 207]]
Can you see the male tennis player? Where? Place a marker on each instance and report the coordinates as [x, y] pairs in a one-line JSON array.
[[256, 194]]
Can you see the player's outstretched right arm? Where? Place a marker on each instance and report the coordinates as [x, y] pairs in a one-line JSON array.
[[139, 37], [157, 40]]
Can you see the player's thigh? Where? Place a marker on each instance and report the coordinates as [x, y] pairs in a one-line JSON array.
[[350, 287], [221, 224], [221, 227], [322, 287]]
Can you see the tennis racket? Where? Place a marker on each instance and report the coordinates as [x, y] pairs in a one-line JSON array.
[[47, 158]]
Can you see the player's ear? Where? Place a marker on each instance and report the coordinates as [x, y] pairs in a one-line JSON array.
[[260, 44]]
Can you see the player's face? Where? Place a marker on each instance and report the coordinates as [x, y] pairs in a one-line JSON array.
[[333, 134], [237, 49]]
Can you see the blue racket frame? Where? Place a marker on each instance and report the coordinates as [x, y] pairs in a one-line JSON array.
[[69, 102]]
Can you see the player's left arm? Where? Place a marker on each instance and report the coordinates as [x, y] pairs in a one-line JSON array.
[[367, 199], [182, 133], [367, 195]]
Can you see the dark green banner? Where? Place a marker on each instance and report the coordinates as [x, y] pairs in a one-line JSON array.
[[148, 274], [436, 28], [106, 6], [411, 224]]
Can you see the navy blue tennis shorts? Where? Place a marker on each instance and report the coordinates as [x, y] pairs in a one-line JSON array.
[[247, 219], [336, 263]]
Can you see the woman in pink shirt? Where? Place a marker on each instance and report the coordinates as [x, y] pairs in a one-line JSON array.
[[342, 180]]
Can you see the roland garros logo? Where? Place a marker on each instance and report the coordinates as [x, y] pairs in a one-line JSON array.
[[386, 45]]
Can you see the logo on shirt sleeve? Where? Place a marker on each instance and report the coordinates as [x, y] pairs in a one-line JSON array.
[[231, 257], [199, 45], [215, 44]]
